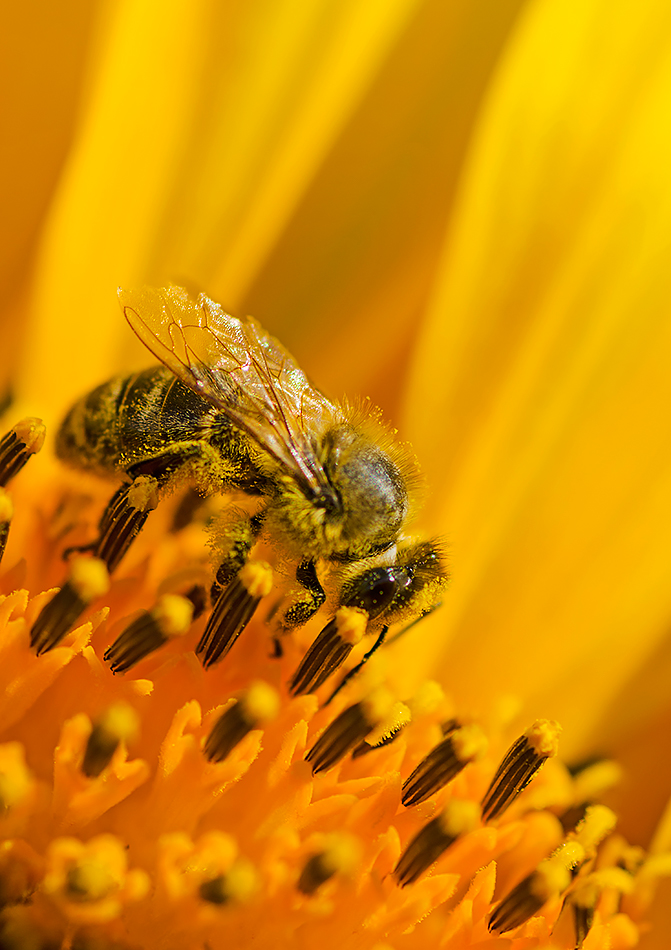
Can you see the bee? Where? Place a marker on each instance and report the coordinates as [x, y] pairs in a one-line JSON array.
[[327, 485]]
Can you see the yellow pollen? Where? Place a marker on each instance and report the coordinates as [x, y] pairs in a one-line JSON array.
[[351, 623], [257, 578], [597, 823], [32, 432], [89, 881], [543, 737], [426, 699], [6, 507], [88, 578], [15, 779], [378, 706], [341, 854], [399, 716], [142, 494], [459, 817], [469, 743], [592, 782], [173, 614], [242, 881], [549, 879], [120, 721], [260, 703]]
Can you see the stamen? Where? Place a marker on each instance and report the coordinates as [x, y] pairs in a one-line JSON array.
[[462, 745], [88, 580], [233, 611], [340, 855], [257, 706], [457, 818], [118, 723], [6, 515], [520, 764], [391, 730], [330, 650], [237, 885], [348, 729], [550, 879], [124, 518], [16, 447], [597, 822], [89, 881], [584, 898], [170, 617]]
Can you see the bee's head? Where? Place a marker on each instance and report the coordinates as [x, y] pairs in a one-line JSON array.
[[369, 499], [363, 503]]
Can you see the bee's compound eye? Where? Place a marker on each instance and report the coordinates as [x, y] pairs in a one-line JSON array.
[[374, 590]]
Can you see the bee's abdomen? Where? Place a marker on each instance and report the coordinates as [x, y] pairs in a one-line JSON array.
[[130, 419]]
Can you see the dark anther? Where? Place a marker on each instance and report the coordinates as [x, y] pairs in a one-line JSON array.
[[88, 580], [137, 641], [233, 611], [198, 597], [458, 818], [329, 651], [551, 878], [380, 639], [257, 706], [316, 872], [583, 919], [119, 722], [348, 729], [124, 518], [521, 762], [6, 514], [215, 891], [170, 617], [16, 447], [442, 764]]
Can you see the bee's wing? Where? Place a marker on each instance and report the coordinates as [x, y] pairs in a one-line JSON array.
[[239, 368]]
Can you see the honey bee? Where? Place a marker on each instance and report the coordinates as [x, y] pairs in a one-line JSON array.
[[230, 411]]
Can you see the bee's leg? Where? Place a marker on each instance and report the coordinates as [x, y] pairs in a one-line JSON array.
[[239, 586], [312, 598]]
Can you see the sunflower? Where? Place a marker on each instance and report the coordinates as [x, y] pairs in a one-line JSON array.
[[459, 210]]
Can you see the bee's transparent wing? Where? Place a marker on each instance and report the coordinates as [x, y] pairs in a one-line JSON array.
[[239, 368]]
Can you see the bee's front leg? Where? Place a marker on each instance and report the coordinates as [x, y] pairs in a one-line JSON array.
[[311, 598]]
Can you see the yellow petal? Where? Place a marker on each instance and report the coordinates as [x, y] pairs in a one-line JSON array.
[[541, 383], [203, 126]]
